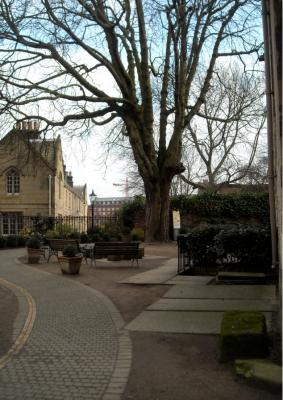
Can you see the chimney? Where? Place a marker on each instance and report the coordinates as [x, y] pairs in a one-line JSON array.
[[70, 179], [29, 128]]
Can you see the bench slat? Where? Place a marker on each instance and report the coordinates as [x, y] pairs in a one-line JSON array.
[[129, 249], [58, 245]]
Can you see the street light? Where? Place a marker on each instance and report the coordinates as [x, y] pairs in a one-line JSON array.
[[92, 198]]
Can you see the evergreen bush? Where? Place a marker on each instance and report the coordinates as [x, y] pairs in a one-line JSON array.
[[12, 241], [130, 210], [2, 241], [33, 243], [137, 234], [70, 251], [246, 247], [84, 238], [217, 206]]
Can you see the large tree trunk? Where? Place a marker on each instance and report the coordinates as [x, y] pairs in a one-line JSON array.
[[157, 211]]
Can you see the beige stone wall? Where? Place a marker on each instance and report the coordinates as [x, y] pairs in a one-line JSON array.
[[66, 200], [34, 198]]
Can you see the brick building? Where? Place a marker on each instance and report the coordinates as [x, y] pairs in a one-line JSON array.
[[107, 206]]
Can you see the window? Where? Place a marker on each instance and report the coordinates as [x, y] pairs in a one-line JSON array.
[[13, 181], [11, 223]]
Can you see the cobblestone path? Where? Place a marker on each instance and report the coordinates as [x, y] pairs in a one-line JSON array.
[[77, 348]]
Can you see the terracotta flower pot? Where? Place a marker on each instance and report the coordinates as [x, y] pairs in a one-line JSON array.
[[70, 265], [33, 255]]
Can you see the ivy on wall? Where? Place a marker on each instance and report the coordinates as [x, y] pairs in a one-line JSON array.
[[131, 209], [216, 205]]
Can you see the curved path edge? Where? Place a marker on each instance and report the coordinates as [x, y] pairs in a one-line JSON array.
[[122, 367], [26, 329]]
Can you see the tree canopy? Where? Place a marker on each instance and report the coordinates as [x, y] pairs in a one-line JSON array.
[[82, 63]]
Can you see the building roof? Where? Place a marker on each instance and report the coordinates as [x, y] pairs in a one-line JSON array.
[[80, 191], [98, 199], [47, 150]]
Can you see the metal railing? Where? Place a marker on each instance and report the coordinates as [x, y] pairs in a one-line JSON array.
[[16, 224], [184, 258]]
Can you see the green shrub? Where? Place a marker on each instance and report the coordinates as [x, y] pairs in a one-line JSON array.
[[217, 206], [22, 240], [113, 231], [70, 251], [12, 241], [33, 243], [84, 238], [201, 245], [3, 242], [130, 210], [95, 230], [95, 237], [52, 234], [126, 230], [63, 230], [75, 235], [106, 237], [137, 234], [246, 247], [249, 246]]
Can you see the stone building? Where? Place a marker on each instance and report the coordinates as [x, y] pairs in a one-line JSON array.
[[33, 179]]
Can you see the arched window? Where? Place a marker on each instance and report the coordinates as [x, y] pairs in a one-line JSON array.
[[13, 181]]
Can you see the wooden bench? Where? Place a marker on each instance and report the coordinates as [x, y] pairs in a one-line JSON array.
[[57, 245], [128, 250]]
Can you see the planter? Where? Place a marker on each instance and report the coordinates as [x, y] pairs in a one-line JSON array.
[[33, 255], [70, 265]]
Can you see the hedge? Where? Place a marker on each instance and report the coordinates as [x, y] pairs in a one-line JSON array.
[[247, 205], [245, 247]]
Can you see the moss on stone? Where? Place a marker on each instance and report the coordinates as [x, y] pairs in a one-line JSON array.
[[243, 335]]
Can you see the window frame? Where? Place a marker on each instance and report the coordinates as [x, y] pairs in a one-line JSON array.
[[13, 182]]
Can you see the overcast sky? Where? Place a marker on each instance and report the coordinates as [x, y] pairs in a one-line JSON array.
[[86, 162]]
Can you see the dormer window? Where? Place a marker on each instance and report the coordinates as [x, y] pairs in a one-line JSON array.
[[13, 181]]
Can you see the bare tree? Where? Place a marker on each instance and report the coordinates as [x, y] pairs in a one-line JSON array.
[[81, 63], [256, 174], [224, 135]]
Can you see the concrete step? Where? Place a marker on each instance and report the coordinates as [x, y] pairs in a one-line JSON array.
[[241, 277], [261, 371]]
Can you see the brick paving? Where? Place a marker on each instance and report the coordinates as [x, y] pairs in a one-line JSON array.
[[77, 348]]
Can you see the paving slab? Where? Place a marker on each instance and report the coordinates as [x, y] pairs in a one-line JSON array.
[[222, 292], [156, 276], [181, 322], [167, 304]]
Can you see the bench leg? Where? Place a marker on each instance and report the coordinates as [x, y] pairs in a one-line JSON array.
[[93, 260]]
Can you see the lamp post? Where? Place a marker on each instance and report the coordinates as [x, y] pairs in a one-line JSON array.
[[92, 198]]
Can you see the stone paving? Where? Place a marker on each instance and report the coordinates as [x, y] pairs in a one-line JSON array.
[[76, 349], [155, 276], [194, 305]]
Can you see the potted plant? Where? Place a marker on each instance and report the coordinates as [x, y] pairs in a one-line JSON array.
[[70, 262], [126, 234], [33, 250]]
